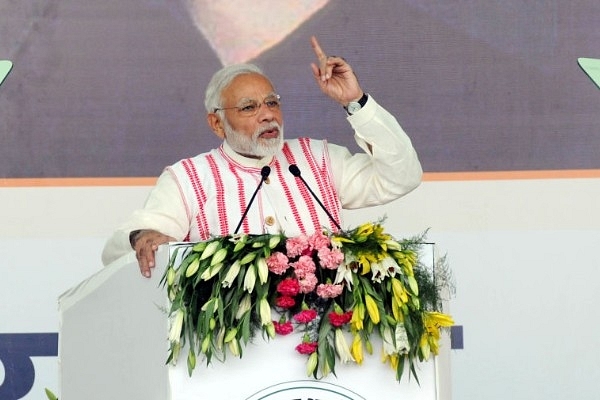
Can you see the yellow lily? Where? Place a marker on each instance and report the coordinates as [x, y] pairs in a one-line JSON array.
[[399, 292], [357, 349], [358, 316], [372, 309]]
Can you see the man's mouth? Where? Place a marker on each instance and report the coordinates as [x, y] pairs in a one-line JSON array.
[[270, 133]]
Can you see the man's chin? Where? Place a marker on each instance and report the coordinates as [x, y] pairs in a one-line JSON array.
[[269, 147]]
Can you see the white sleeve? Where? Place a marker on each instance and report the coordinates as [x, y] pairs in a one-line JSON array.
[[164, 211], [389, 167]]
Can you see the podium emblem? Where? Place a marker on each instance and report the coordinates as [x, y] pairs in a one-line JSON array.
[[305, 390]]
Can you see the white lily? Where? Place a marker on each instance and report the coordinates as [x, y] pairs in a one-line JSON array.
[[210, 249], [176, 326], [232, 273], [385, 267], [265, 312], [263, 269], [250, 279], [341, 346], [344, 274], [211, 271], [243, 307]]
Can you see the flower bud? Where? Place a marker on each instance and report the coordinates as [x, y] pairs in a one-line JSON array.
[[205, 344], [357, 349], [176, 326], [414, 286], [230, 335], [250, 279], [240, 244], [210, 249], [200, 246], [274, 241], [311, 364], [219, 256], [265, 312], [263, 269], [234, 347], [193, 267], [243, 307], [211, 271], [232, 273], [372, 309], [220, 338], [341, 346], [175, 350], [170, 276], [248, 258], [191, 361], [270, 329]]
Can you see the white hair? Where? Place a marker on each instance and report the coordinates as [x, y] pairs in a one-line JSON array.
[[221, 79]]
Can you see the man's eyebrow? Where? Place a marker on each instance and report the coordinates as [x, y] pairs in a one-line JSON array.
[[246, 99]]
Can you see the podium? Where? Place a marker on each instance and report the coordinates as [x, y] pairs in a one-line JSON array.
[[113, 344]]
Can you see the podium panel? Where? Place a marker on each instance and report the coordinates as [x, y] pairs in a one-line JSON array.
[[113, 344]]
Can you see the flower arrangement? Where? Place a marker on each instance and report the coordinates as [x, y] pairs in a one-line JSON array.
[[329, 286]]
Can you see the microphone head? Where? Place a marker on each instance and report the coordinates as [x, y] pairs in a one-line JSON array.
[[294, 170], [265, 171]]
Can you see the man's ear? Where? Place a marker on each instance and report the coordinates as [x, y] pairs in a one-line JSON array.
[[216, 124]]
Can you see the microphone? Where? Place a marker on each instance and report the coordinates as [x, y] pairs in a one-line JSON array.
[[296, 172], [264, 173]]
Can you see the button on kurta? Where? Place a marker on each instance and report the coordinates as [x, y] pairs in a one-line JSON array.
[[270, 221]]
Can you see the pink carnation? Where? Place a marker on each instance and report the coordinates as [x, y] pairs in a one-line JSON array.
[[329, 291], [308, 283], [295, 246], [304, 266], [319, 241], [285, 302], [277, 263], [283, 328], [330, 258], [307, 347], [288, 287], [305, 316]]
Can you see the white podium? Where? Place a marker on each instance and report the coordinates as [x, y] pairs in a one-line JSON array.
[[113, 345]]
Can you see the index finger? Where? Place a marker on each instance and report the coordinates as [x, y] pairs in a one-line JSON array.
[[321, 56]]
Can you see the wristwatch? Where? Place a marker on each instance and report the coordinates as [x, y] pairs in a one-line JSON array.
[[355, 106]]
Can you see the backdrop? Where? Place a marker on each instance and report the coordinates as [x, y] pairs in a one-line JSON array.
[[115, 88]]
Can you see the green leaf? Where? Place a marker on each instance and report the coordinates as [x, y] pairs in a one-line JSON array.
[[50, 395]]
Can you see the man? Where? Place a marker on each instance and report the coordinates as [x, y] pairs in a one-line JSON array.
[[207, 195]]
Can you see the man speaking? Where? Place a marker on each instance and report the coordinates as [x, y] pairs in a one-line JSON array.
[[256, 182]]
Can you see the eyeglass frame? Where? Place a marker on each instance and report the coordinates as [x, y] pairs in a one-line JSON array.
[[256, 104]]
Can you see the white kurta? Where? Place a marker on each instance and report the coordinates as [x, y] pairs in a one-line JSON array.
[[388, 169]]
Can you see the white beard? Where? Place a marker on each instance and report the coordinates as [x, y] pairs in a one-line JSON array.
[[254, 146]]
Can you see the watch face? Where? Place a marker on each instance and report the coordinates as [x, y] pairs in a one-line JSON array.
[[353, 107]]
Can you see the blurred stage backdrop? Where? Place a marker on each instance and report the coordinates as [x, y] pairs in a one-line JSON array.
[[115, 88]]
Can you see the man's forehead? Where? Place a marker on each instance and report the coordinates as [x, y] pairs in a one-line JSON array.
[[249, 86]]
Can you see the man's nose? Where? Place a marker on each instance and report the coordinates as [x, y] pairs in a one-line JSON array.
[[265, 113]]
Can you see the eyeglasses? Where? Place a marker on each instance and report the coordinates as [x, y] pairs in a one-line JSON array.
[[250, 108]]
